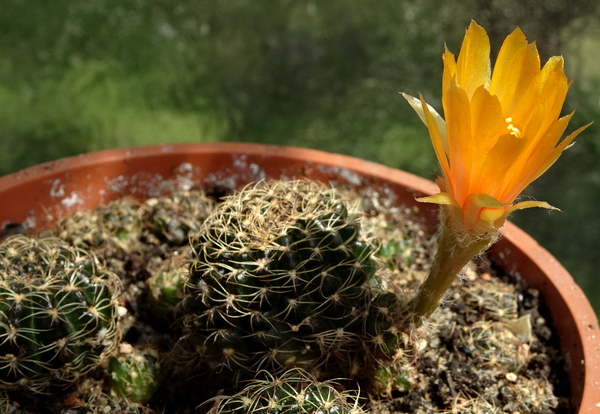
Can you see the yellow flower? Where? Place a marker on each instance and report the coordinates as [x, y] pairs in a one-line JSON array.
[[502, 129]]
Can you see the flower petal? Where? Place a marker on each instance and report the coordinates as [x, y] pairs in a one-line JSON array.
[[553, 96], [504, 67], [530, 204], [438, 139], [417, 105], [449, 68], [487, 125], [498, 163], [537, 162], [553, 156], [497, 216], [476, 204], [529, 66], [439, 198], [473, 65], [460, 140]]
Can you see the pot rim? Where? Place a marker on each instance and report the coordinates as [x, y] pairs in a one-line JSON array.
[[565, 298]]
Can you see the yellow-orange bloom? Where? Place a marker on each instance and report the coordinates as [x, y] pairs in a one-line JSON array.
[[502, 128]]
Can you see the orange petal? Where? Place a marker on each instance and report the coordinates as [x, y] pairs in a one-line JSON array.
[[553, 94], [540, 82], [534, 155], [498, 163], [556, 152], [554, 64], [473, 66], [449, 68], [529, 67], [487, 124], [506, 63], [460, 140]]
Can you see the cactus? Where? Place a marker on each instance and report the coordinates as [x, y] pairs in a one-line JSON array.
[[58, 313], [496, 345], [165, 286], [392, 378], [283, 276], [115, 225], [100, 403], [494, 299], [472, 406], [171, 218], [134, 373], [295, 392]]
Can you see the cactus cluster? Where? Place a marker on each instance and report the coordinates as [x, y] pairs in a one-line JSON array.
[[122, 224], [58, 312], [283, 276], [264, 296]]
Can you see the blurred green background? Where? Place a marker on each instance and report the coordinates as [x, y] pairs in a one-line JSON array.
[[84, 75]]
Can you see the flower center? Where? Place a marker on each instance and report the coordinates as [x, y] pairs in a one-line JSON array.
[[514, 131]]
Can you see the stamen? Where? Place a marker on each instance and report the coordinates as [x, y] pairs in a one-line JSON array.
[[514, 131]]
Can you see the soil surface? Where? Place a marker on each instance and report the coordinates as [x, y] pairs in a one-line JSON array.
[[490, 347]]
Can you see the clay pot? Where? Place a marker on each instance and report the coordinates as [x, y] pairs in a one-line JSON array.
[[35, 195]]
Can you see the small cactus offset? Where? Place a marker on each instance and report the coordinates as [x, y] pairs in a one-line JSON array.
[[116, 225], [280, 278], [294, 392], [58, 313], [165, 286], [134, 373], [171, 218]]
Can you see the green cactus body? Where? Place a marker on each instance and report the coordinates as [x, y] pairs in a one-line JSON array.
[[384, 338], [295, 392], [135, 374], [390, 378], [281, 278], [58, 312], [165, 286]]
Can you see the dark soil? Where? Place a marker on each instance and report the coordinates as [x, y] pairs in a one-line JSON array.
[[490, 348]]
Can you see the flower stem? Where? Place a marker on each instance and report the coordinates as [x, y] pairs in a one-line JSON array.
[[456, 246]]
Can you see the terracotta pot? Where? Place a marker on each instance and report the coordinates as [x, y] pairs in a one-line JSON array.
[[60, 187]]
